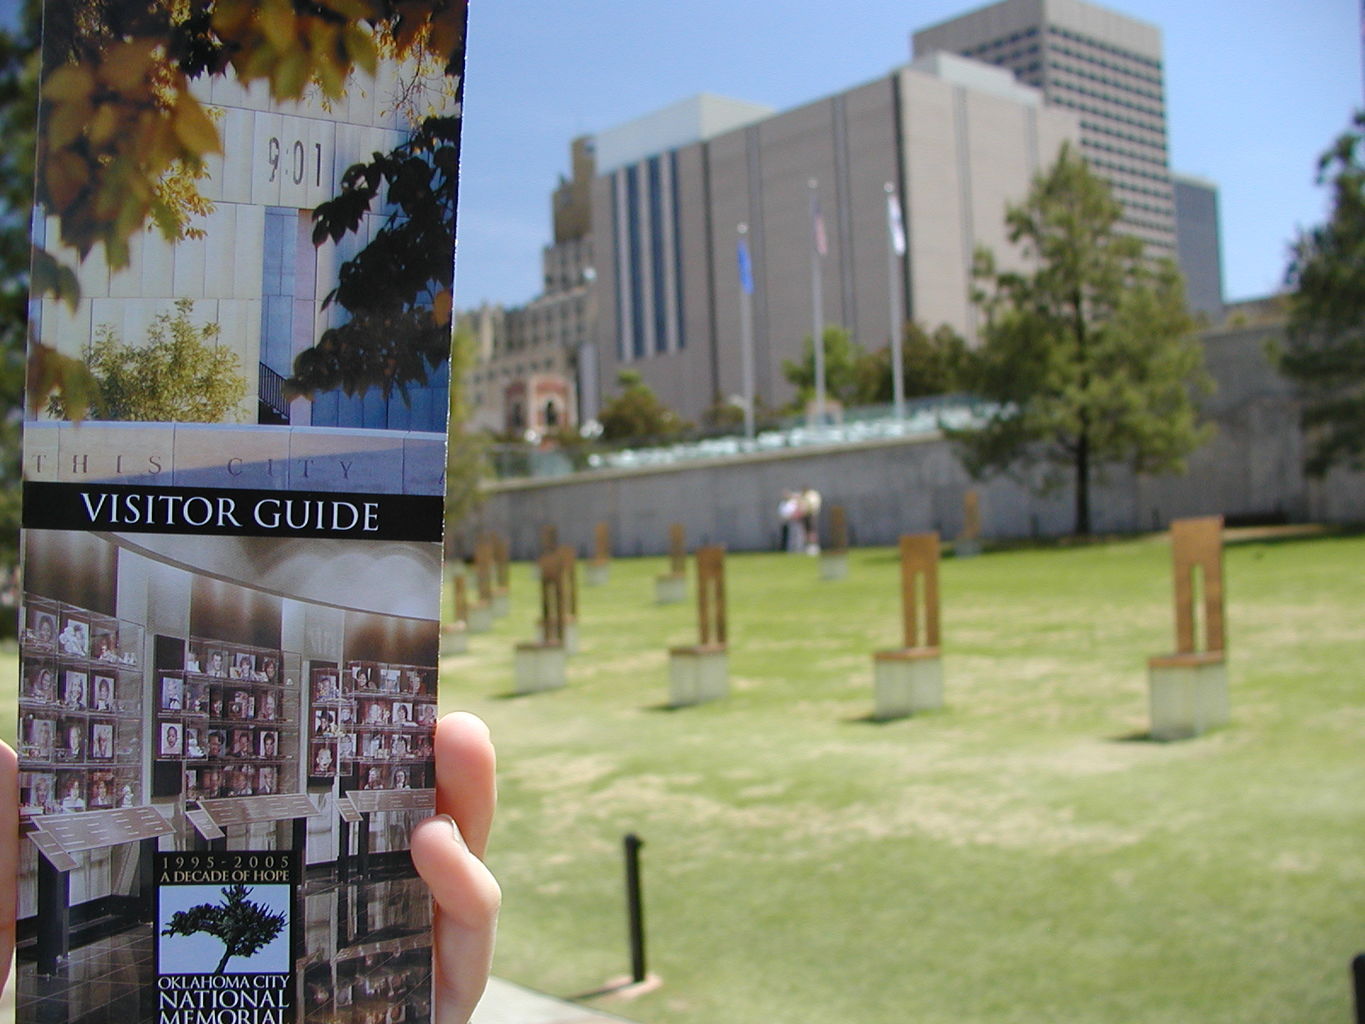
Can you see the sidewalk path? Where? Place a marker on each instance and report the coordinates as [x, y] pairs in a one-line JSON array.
[[505, 1003]]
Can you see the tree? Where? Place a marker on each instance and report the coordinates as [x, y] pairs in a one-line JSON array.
[[637, 414], [397, 290], [1325, 354], [843, 357], [179, 376], [18, 110], [465, 450], [1088, 358], [931, 364], [727, 415], [243, 926]]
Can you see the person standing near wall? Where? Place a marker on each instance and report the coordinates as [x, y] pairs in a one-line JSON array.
[[810, 502], [789, 511]]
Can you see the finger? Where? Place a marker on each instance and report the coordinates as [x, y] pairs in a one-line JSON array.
[[9, 853], [464, 921], [465, 776]]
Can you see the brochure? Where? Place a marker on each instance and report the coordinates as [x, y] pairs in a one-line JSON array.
[[234, 456]]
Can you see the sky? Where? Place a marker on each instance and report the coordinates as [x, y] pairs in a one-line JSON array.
[[1255, 91]]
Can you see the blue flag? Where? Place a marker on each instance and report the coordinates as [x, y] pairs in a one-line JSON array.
[[746, 269]]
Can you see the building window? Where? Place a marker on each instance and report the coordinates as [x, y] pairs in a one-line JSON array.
[[657, 263], [637, 324], [677, 251]]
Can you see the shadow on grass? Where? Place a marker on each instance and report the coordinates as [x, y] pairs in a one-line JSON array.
[[1135, 737], [1147, 737], [518, 695], [923, 715], [872, 718]]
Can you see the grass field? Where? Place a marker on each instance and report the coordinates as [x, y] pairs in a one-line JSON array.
[[1024, 855]]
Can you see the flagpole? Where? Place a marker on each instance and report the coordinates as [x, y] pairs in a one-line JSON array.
[[895, 246], [817, 304], [746, 329]]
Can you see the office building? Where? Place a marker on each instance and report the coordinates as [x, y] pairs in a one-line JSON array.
[[956, 139], [529, 360], [525, 369], [1103, 65], [1198, 245]]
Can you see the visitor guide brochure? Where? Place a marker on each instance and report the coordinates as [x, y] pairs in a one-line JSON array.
[[234, 458]]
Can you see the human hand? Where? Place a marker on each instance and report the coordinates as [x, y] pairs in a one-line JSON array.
[[448, 850], [9, 854]]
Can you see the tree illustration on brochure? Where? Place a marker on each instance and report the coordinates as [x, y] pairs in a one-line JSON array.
[[243, 926], [396, 290]]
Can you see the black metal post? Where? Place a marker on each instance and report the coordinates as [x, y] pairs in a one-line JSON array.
[[344, 854], [298, 933], [635, 907], [54, 915], [146, 879], [1358, 972], [363, 842]]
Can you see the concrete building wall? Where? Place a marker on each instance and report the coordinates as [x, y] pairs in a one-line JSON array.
[[735, 196], [795, 148], [695, 358], [959, 153], [689, 120], [936, 210], [1250, 471]]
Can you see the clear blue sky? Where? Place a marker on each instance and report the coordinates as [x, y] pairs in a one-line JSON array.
[[1255, 90]]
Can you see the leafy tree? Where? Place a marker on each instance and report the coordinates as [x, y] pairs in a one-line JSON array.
[[843, 357], [1325, 354], [243, 926], [179, 376], [1088, 356], [465, 449], [931, 364], [397, 290], [637, 413], [18, 110], [727, 416]]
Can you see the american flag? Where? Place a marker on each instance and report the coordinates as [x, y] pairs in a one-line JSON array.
[[818, 224]]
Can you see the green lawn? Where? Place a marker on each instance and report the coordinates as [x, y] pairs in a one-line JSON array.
[[1024, 855]]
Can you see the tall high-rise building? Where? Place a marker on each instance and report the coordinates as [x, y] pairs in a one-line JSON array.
[[1198, 242], [1105, 66]]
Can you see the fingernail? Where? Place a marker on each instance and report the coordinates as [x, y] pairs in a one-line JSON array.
[[454, 828]]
